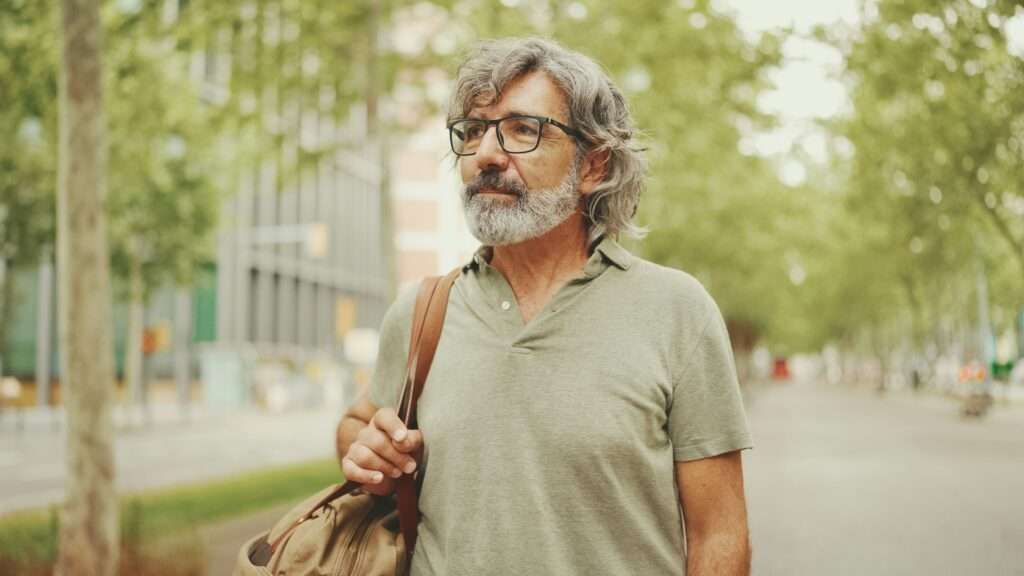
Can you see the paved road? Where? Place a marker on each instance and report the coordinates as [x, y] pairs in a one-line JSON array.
[[842, 482], [846, 482], [32, 461]]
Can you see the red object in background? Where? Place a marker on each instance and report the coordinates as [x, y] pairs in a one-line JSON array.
[[972, 372], [780, 371], [148, 342]]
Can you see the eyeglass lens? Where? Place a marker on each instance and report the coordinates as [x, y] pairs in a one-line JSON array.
[[515, 134]]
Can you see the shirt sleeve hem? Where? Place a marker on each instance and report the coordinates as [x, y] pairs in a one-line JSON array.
[[712, 448]]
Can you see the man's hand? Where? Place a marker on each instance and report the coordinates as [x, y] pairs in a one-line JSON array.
[[382, 451]]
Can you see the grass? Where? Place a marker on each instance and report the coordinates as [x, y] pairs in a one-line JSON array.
[[28, 540]]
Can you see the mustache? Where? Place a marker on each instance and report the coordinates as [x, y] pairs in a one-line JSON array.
[[494, 181]]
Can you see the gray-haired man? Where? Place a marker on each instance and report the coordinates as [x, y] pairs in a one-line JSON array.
[[583, 405]]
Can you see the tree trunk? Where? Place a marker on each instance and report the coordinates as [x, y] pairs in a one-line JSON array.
[[88, 541]]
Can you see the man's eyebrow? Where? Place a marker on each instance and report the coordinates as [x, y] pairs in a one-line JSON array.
[[477, 116]]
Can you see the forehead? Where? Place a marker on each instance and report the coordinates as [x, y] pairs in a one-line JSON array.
[[533, 93]]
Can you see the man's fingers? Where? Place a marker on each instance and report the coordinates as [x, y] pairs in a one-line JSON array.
[[388, 421], [368, 460], [356, 474], [378, 442]]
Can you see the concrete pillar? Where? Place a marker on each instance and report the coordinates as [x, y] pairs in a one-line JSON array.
[[242, 287], [308, 191], [227, 276], [286, 290], [183, 345], [265, 284], [44, 325], [324, 317]]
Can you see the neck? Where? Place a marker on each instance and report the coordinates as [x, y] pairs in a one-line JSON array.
[[544, 263]]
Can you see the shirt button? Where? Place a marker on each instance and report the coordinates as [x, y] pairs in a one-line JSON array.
[[505, 305]]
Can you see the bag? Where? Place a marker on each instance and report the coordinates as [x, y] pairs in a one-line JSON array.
[[343, 530]]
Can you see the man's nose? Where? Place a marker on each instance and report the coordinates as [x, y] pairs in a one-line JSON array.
[[489, 155]]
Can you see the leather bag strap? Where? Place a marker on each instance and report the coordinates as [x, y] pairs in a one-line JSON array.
[[428, 322], [423, 301]]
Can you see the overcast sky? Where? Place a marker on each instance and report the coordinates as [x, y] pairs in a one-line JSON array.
[[807, 87]]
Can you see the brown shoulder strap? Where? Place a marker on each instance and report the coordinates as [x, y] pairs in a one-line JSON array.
[[423, 300], [427, 324]]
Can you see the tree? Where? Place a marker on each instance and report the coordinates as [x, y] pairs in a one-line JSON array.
[[937, 130], [88, 531]]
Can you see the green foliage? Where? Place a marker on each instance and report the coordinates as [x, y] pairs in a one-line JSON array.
[[938, 135], [28, 119], [159, 188], [162, 197], [287, 60]]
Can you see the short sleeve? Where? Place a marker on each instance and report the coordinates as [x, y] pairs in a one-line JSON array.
[[706, 416], [393, 350]]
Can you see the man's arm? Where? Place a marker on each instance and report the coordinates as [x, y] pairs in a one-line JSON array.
[[715, 515]]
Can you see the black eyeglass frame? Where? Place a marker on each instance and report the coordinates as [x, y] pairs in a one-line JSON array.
[[501, 139]]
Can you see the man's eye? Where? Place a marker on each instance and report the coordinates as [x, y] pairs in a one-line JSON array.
[[474, 132], [525, 128]]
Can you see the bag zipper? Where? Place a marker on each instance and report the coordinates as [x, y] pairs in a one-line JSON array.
[[360, 538], [360, 531], [361, 551]]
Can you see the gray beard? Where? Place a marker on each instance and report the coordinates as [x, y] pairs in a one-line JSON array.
[[496, 222]]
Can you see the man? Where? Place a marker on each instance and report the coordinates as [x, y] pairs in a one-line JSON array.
[[579, 395]]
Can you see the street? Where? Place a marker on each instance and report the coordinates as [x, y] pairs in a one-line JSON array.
[[848, 482], [840, 482]]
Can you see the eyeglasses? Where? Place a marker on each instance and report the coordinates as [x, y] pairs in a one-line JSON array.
[[516, 134]]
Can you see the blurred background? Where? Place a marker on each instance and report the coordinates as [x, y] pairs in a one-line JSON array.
[[845, 177]]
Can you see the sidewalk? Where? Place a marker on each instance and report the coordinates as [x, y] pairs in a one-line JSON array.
[[224, 539], [167, 449]]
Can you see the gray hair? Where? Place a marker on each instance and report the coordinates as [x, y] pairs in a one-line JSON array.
[[596, 108]]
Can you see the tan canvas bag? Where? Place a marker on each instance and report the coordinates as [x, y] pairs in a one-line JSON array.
[[343, 530]]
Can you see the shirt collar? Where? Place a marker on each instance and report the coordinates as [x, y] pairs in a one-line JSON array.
[[614, 252], [481, 259], [605, 249]]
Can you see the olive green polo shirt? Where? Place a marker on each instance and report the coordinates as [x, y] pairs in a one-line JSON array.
[[550, 446]]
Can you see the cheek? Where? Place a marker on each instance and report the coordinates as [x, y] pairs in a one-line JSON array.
[[543, 174], [466, 170]]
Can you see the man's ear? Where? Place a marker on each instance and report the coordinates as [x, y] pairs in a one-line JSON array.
[[594, 170]]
